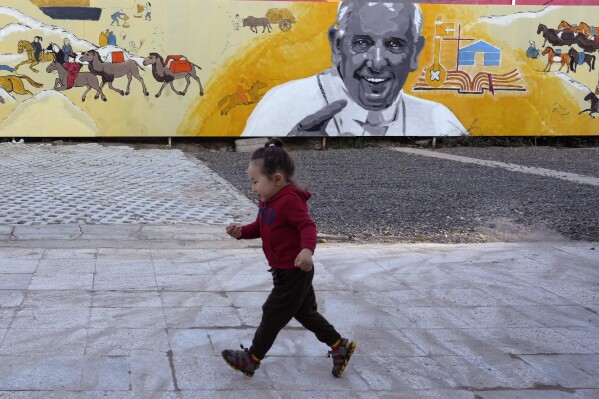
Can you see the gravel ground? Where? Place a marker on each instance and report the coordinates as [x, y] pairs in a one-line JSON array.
[[377, 194]]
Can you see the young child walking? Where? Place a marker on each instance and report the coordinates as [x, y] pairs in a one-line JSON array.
[[288, 241]]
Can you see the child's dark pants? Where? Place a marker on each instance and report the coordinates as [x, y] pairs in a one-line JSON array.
[[292, 296]]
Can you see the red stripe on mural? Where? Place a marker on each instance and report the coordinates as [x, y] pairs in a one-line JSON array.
[[489, 2], [559, 2], [482, 2], [522, 2]]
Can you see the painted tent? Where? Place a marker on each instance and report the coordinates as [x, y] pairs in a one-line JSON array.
[[206, 68]]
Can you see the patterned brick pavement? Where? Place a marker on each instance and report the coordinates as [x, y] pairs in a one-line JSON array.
[[94, 184]]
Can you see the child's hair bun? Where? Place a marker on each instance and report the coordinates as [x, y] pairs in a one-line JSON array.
[[273, 143], [275, 159]]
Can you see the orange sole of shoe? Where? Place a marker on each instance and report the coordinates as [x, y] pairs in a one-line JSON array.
[[246, 373]]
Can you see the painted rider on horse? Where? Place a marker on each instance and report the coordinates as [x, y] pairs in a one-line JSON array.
[[37, 46], [67, 49], [72, 67]]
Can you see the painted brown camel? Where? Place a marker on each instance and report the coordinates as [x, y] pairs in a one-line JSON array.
[[109, 71], [166, 76], [239, 97]]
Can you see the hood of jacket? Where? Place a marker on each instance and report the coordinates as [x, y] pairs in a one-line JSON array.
[[289, 189]]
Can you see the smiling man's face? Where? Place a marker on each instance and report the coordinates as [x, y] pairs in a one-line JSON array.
[[377, 52]]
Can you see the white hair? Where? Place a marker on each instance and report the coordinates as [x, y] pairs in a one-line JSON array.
[[346, 8]]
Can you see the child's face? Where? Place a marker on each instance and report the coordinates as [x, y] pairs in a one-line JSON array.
[[264, 186]]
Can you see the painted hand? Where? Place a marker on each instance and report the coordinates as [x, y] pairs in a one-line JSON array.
[[316, 123]]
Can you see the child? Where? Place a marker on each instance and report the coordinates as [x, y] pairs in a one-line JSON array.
[[288, 241]]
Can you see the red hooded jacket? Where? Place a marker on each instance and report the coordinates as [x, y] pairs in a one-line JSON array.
[[284, 225]]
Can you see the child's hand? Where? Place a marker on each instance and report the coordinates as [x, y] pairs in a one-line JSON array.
[[303, 260], [234, 231]]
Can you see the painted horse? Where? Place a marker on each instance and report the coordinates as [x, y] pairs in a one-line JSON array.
[[163, 74], [594, 109], [588, 31], [565, 26], [583, 27], [581, 58], [84, 79], [553, 57], [26, 46], [59, 55], [556, 38], [14, 83], [588, 45]]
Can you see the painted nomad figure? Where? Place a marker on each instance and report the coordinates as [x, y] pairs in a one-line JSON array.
[[67, 49], [375, 46]]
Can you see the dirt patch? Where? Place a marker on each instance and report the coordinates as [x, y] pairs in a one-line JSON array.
[[506, 230]]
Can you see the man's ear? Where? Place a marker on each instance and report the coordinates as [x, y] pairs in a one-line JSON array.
[[335, 42], [418, 47]]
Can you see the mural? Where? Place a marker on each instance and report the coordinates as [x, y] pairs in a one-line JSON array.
[[298, 68], [374, 49]]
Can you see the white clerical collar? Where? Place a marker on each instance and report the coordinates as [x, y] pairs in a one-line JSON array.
[[354, 114]]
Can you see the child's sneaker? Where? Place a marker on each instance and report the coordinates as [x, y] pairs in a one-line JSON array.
[[241, 360], [341, 354]]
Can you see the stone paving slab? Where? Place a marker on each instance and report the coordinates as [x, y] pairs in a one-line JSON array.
[[57, 237], [5, 232], [93, 318]]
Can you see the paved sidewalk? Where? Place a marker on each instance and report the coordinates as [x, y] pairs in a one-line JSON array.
[[125, 311], [43, 184]]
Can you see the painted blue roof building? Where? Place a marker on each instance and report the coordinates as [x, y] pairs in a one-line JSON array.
[[491, 54]]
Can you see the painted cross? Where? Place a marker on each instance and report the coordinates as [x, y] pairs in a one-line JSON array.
[[459, 39]]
